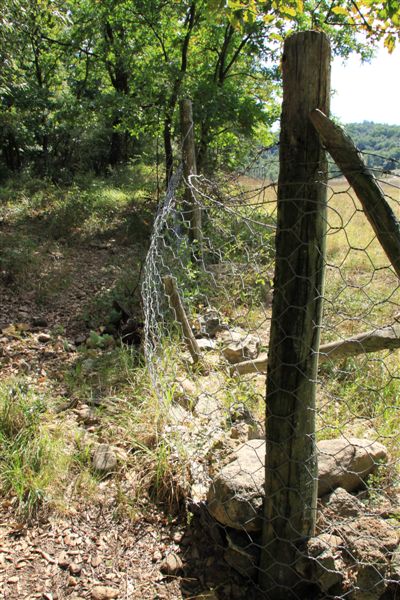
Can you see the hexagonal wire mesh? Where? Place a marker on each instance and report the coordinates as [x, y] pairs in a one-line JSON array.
[[214, 401]]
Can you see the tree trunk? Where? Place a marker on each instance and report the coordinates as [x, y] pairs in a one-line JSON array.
[[169, 153], [12, 157], [192, 208], [119, 77], [202, 156], [170, 109], [118, 145]]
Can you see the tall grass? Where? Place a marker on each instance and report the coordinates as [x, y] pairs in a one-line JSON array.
[[32, 457]]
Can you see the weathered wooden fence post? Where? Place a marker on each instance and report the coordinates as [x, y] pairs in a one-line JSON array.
[[291, 463], [192, 210]]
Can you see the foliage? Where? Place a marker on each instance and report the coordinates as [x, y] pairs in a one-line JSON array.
[[379, 143], [17, 258], [377, 140], [377, 20], [87, 85]]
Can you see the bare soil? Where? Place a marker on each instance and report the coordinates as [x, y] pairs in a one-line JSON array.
[[57, 557]]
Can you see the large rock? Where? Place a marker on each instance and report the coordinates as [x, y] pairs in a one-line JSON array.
[[320, 561], [239, 346], [104, 592], [369, 543], [236, 495], [346, 462], [242, 554], [210, 323], [370, 582], [395, 566], [355, 561], [104, 459], [341, 504], [369, 536], [244, 425], [206, 344], [172, 564]]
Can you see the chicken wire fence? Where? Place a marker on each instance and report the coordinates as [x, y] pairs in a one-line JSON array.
[[212, 398]]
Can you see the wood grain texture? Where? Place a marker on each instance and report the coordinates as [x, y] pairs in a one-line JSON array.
[[192, 209], [175, 302], [291, 463]]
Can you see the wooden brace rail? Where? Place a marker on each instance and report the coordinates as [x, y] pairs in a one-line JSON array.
[[376, 208], [384, 338]]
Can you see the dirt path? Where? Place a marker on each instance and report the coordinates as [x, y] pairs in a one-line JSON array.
[[90, 553], [76, 557]]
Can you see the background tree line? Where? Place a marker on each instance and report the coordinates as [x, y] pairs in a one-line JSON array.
[[378, 142], [86, 85]]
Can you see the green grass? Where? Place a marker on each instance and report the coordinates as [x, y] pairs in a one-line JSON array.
[[36, 457], [46, 457], [44, 224], [89, 207], [132, 417], [19, 258], [90, 202], [361, 395]]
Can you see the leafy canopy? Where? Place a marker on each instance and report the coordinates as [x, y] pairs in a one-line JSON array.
[[377, 20]]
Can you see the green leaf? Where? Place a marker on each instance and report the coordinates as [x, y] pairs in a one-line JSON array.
[[390, 43], [289, 10], [268, 18], [340, 10]]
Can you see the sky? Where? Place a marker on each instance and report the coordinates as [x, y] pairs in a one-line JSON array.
[[367, 91]]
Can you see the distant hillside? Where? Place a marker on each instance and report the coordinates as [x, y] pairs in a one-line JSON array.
[[377, 139], [380, 144]]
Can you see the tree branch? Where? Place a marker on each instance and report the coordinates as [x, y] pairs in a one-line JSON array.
[[68, 45], [384, 338], [236, 54]]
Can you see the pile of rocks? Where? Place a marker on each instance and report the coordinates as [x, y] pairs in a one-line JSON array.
[[356, 550], [234, 343]]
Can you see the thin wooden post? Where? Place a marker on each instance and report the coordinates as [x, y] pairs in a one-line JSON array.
[[171, 289], [376, 208], [192, 208], [291, 462]]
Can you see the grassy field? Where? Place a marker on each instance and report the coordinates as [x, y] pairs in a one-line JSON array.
[[70, 259], [361, 395]]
